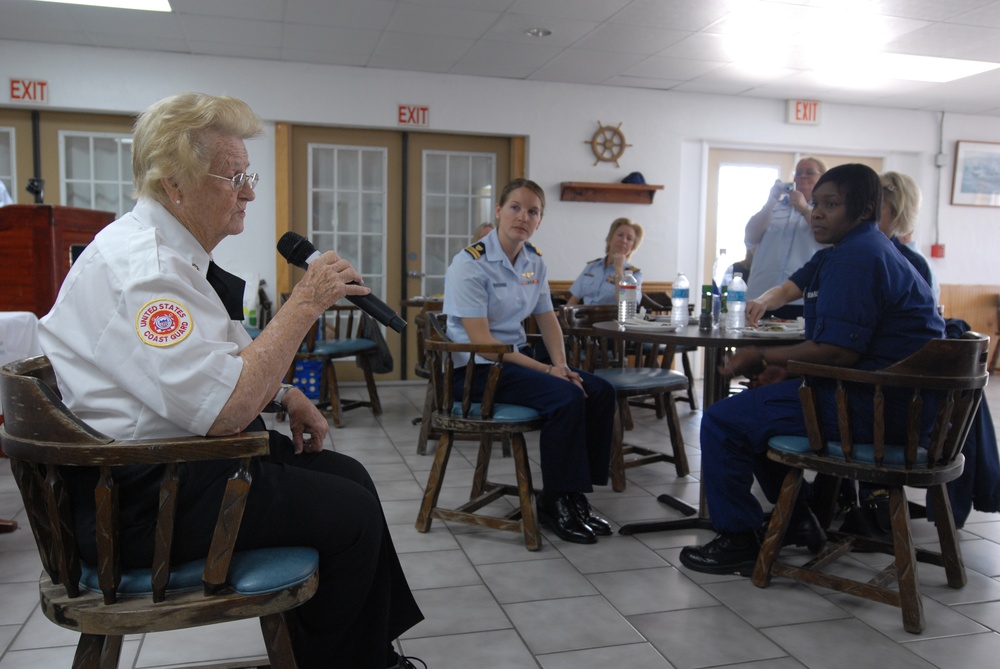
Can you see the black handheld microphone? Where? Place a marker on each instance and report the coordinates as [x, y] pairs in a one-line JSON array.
[[299, 251]]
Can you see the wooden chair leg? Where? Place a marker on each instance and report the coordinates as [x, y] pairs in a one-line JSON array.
[[618, 448], [111, 652], [331, 393], [278, 641], [686, 363], [425, 421], [482, 472], [529, 520], [676, 436], [780, 517], [89, 651], [374, 403], [951, 552], [906, 562], [434, 481]]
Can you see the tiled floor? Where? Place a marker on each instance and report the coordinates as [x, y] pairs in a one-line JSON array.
[[624, 603]]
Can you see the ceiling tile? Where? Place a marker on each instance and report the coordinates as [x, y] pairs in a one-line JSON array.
[[233, 31], [631, 39], [329, 39], [501, 59], [445, 21], [676, 15], [584, 66], [588, 10], [366, 14], [512, 27], [663, 67]]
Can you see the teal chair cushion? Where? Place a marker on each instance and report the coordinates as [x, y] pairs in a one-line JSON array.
[[646, 378], [342, 347], [504, 413], [251, 572], [863, 453]]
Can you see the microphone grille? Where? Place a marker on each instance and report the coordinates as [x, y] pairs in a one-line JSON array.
[[295, 248]]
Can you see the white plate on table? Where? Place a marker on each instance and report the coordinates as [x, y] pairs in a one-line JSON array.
[[774, 332], [649, 326]]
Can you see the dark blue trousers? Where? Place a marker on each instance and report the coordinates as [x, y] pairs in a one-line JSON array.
[[576, 437], [734, 435]]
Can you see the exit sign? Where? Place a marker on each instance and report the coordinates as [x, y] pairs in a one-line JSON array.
[[414, 115], [802, 111], [29, 91]]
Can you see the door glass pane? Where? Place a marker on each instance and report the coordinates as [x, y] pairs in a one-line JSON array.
[[435, 173], [347, 202], [740, 188], [348, 169], [96, 171], [458, 195], [105, 159], [321, 167], [7, 176]]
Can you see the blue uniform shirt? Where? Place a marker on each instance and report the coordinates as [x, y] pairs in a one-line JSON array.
[[596, 283], [862, 294], [482, 283]]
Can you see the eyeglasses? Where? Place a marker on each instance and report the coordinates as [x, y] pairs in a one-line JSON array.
[[239, 179], [806, 173]]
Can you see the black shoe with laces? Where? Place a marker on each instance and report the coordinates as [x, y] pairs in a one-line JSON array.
[[728, 553], [560, 516], [601, 527]]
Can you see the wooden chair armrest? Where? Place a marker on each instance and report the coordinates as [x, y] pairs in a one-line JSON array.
[[140, 451]]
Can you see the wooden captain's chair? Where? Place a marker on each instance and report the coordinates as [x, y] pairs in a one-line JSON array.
[[947, 373], [103, 602], [457, 417]]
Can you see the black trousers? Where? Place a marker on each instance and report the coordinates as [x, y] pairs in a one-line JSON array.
[[324, 500]]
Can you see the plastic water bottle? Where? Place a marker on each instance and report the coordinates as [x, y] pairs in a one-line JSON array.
[[627, 289], [736, 303], [679, 301]]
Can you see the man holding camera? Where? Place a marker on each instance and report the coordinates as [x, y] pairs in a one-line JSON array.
[[782, 234]]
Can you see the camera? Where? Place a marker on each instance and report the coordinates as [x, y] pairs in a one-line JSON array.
[[788, 187]]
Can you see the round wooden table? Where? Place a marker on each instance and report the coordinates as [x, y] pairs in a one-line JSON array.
[[716, 387]]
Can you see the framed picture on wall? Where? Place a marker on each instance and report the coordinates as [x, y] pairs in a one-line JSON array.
[[977, 174]]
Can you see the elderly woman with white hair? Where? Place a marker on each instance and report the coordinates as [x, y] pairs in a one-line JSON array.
[[900, 206]]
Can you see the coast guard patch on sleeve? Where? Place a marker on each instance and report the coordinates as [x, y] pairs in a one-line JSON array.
[[163, 323]]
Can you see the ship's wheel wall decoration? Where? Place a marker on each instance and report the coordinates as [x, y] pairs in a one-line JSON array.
[[608, 143]]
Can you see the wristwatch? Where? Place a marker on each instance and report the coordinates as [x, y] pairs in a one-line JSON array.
[[276, 404]]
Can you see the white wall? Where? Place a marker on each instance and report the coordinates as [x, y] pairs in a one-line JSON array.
[[670, 134]]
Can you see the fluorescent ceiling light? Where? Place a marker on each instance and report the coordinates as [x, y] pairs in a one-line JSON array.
[[929, 68], [145, 5]]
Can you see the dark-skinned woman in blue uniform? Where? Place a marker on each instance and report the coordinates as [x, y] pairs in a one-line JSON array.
[[865, 307], [489, 289]]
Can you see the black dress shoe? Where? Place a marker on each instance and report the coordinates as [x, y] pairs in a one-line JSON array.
[[804, 530], [728, 553], [869, 520], [560, 515], [601, 527]]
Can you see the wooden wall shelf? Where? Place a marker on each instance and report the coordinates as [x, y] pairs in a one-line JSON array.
[[580, 191]]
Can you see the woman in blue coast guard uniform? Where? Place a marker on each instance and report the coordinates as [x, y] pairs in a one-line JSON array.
[[865, 308], [490, 288], [598, 282]]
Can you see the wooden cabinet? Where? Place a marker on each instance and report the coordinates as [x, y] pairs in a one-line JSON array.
[[38, 243]]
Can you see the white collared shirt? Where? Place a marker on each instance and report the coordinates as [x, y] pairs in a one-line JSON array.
[[141, 344]]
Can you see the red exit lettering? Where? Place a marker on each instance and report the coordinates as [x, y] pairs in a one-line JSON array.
[[29, 90], [414, 115], [805, 111]]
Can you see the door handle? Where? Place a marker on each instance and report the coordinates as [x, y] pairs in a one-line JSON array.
[[414, 274]]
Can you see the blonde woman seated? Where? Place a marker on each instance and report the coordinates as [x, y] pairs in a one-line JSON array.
[[598, 282]]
